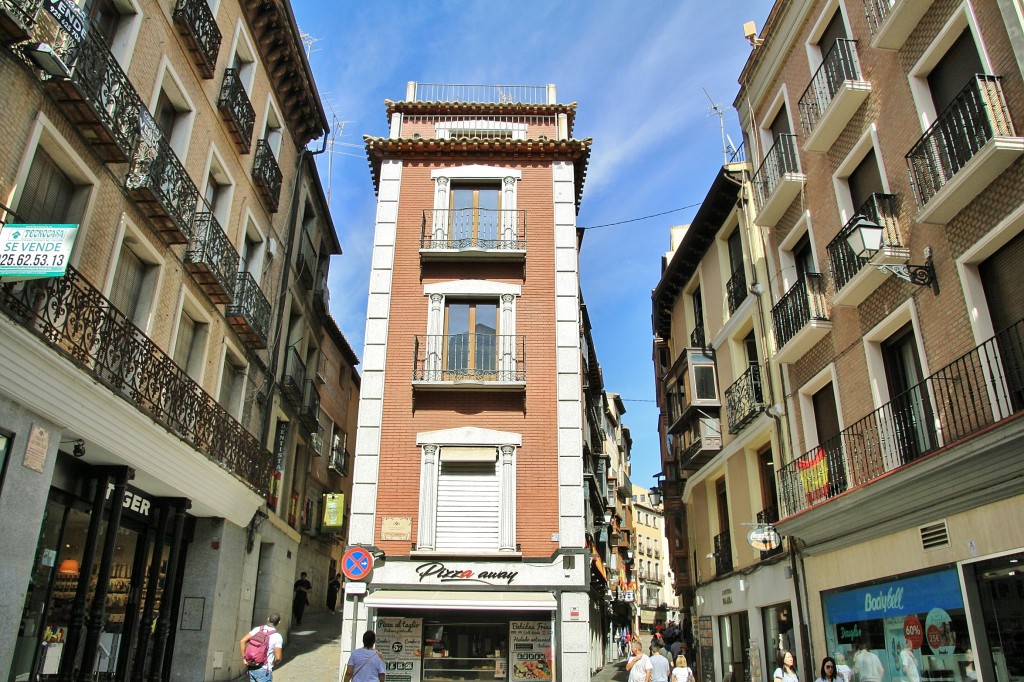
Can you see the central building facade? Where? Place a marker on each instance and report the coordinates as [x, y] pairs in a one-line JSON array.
[[469, 486]]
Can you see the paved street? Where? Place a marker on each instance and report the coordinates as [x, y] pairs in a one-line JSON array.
[[312, 650]]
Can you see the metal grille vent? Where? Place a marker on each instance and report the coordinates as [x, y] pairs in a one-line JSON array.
[[934, 536]]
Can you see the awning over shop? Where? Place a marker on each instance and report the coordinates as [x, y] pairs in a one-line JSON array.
[[436, 599]]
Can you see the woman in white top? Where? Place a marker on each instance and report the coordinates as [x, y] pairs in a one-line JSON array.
[[787, 672], [681, 673]]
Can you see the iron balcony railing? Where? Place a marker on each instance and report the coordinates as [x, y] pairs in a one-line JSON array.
[[780, 160], [321, 293], [723, 553], [499, 358], [978, 389], [744, 400], [71, 316], [473, 228], [316, 441], [160, 184], [339, 461], [769, 515], [804, 302], [839, 65], [309, 415], [491, 94], [697, 337], [293, 383], [249, 313], [978, 114], [881, 209], [479, 127], [197, 25], [17, 17], [236, 109], [736, 289], [739, 155], [212, 258], [267, 174], [877, 11], [305, 259]]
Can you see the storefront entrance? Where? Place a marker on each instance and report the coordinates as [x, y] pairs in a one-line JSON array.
[[996, 589]]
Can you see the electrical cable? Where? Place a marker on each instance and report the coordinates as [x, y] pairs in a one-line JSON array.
[[633, 220]]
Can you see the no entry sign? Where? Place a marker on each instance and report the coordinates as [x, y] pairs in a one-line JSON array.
[[356, 563]]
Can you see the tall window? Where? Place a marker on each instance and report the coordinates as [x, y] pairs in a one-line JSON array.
[[911, 407], [475, 214], [471, 328], [232, 383], [131, 291], [48, 193], [190, 344]]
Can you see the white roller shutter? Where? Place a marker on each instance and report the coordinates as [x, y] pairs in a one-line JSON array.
[[468, 507]]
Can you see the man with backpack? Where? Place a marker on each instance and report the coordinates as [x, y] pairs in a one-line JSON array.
[[261, 648]]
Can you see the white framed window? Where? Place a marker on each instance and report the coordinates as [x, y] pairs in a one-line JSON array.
[[173, 109], [821, 413], [272, 127], [830, 26], [191, 335], [450, 191], [219, 189], [777, 120], [467, 491], [860, 174], [134, 279], [117, 22], [231, 391], [243, 57], [253, 251], [797, 254]]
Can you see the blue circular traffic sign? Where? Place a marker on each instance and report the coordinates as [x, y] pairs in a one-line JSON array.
[[356, 563]]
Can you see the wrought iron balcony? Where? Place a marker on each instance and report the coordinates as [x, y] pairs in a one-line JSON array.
[[249, 313], [479, 360], [197, 25], [474, 229], [723, 553], [697, 339], [309, 415], [236, 110], [892, 21], [160, 185], [339, 461], [736, 289], [777, 181], [769, 515], [744, 400], [321, 294], [17, 17], [800, 317], [316, 441], [73, 318], [267, 175], [882, 209], [98, 99], [305, 260], [975, 127], [212, 258], [967, 396], [834, 94], [293, 383]]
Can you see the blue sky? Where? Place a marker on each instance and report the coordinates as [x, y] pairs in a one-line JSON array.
[[636, 69]]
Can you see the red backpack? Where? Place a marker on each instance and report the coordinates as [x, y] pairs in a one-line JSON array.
[[257, 646]]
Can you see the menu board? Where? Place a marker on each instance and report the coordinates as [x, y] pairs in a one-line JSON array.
[[705, 648], [398, 640], [529, 646]]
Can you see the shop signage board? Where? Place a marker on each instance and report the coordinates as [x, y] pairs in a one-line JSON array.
[[35, 251], [480, 574], [334, 511], [70, 17], [529, 645], [398, 641], [919, 594], [705, 648]]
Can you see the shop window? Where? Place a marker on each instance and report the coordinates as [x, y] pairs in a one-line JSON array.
[[778, 632], [734, 637]]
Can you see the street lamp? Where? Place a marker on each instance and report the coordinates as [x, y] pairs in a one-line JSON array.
[[867, 238], [655, 495]]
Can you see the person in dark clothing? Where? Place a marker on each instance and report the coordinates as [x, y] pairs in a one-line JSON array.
[[333, 588], [301, 597]]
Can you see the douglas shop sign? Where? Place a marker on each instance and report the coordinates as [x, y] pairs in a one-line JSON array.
[[435, 570]]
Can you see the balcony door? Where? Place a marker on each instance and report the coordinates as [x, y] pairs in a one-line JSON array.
[[826, 423], [475, 216], [471, 333], [911, 409], [1000, 277], [953, 71], [865, 180]]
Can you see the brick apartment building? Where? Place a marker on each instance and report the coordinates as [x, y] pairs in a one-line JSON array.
[[469, 474]]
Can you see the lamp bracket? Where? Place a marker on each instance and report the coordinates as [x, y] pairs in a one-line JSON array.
[[921, 275]]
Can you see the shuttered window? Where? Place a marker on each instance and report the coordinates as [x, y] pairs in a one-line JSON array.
[[1000, 275], [48, 192], [127, 286], [468, 506]]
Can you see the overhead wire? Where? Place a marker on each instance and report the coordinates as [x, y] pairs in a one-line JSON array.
[[646, 217]]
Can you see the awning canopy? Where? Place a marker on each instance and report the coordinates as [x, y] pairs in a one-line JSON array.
[[436, 599]]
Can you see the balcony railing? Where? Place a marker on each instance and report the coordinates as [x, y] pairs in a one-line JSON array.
[[780, 160], [697, 339], [212, 258], [474, 228], [977, 115], [479, 127], [493, 94], [160, 185], [321, 293], [804, 302], [489, 358], [978, 389], [723, 553], [744, 400], [236, 110], [839, 66], [267, 174], [198, 26], [72, 317], [892, 21], [316, 441], [736, 289], [882, 210], [293, 384], [17, 17], [877, 11], [249, 314], [98, 99], [769, 515], [339, 461], [309, 415], [305, 259]]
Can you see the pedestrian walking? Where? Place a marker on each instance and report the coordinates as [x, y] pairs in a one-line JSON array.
[[300, 597], [829, 670], [638, 665], [909, 662], [333, 588], [366, 664], [866, 663], [786, 672], [263, 670], [682, 672], [660, 667]]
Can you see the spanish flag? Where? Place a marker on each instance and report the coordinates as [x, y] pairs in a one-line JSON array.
[[814, 475]]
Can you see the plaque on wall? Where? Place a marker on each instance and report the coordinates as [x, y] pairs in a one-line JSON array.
[[396, 528]]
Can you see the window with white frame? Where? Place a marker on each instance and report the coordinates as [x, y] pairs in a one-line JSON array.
[[243, 58], [190, 341], [467, 491], [475, 200], [117, 23], [219, 190], [173, 111], [232, 383], [133, 287]]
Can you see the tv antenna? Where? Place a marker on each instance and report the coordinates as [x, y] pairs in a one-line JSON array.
[[728, 149], [308, 41]]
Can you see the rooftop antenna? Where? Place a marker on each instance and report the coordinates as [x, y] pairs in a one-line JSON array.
[[719, 110], [308, 41]]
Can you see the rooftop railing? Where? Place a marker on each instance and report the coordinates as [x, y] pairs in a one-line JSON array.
[[497, 94], [484, 127]]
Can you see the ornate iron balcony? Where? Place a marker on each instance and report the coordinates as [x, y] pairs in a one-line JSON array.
[[491, 358], [316, 441], [72, 317], [880, 209], [236, 110], [780, 160], [17, 17], [804, 302], [736, 289], [723, 553], [305, 259], [697, 337], [838, 66], [978, 389], [309, 415], [321, 293], [98, 99], [293, 384], [744, 399], [978, 114], [212, 258], [197, 25], [267, 174], [160, 184], [249, 313], [339, 461], [474, 228]]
